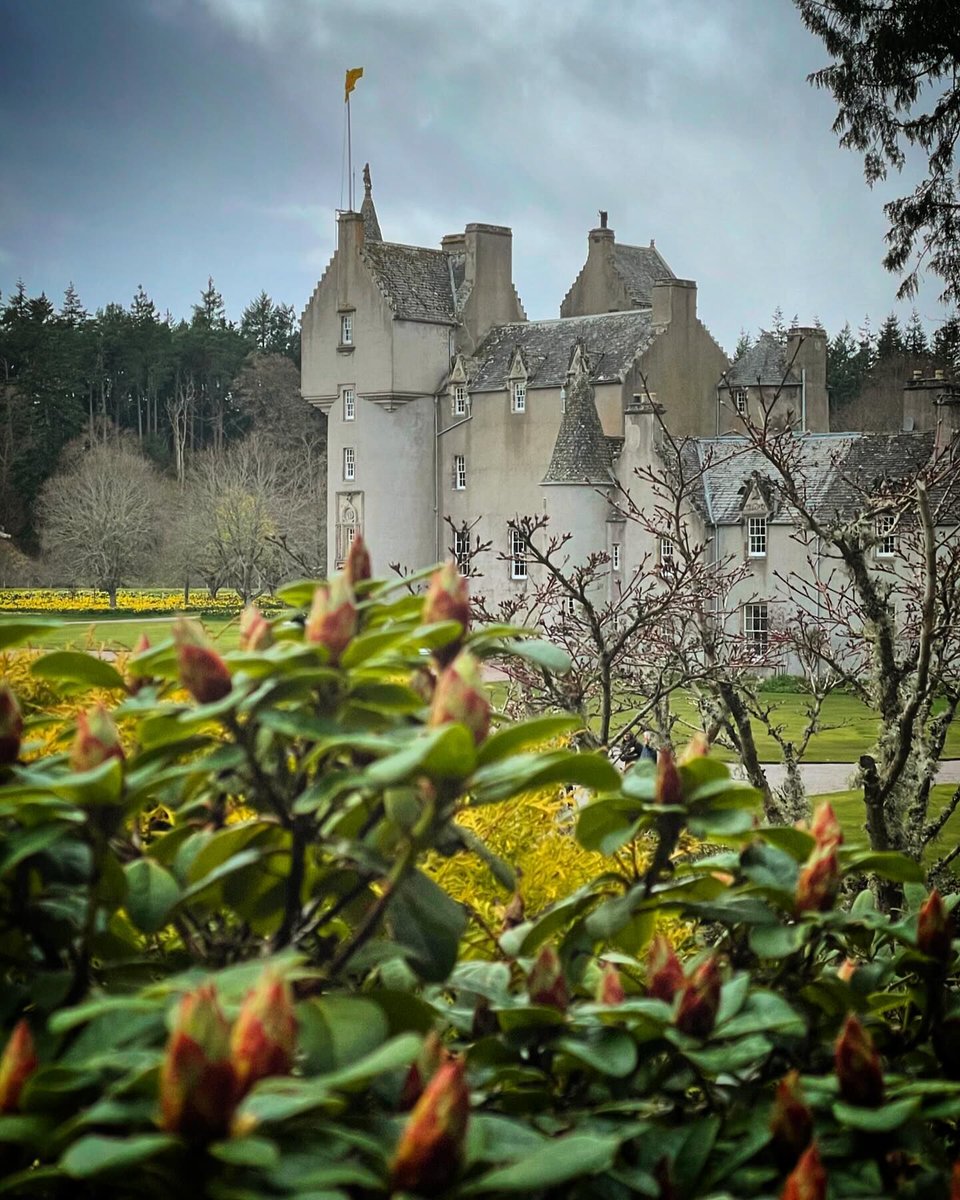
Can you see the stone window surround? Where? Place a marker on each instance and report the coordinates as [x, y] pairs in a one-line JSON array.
[[518, 395], [461, 550], [459, 400], [886, 537]]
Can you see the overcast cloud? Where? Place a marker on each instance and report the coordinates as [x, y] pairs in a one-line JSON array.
[[162, 141]]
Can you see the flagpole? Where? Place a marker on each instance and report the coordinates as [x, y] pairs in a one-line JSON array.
[[349, 157]]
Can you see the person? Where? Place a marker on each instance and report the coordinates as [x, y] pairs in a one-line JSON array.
[[647, 751], [630, 751]]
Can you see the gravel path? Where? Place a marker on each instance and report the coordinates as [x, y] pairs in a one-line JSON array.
[[836, 777]]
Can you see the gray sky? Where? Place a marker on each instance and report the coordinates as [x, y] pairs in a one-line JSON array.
[[162, 141]]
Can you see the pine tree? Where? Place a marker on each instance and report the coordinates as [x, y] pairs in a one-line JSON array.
[[915, 338], [890, 338], [946, 343], [744, 342], [72, 313]]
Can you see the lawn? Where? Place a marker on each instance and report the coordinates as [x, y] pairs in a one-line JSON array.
[[122, 632]]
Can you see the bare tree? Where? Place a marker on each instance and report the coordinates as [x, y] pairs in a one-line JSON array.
[[101, 518]]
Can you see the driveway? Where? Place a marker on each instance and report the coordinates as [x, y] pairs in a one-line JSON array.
[[837, 777]]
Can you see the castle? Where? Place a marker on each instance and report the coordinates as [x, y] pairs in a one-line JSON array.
[[450, 413]]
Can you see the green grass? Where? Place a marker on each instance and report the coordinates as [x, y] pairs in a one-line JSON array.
[[105, 632], [849, 809]]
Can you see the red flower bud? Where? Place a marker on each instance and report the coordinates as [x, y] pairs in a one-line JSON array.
[[255, 630], [935, 929], [669, 789], [791, 1121], [825, 827], [357, 567], [847, 969], [332, 620], [430, 1151], [11, 726], [202, 671], [664, 971], [96, 740], [17, 1064], [858, 1066], [134, 679], [955, 1182], [264, 1038], [819, 881], [700, 1000], [198, 1089], [697, 747], [447, 600], [610, 988], [513, 913], [545, 983], [461, 696], [808, 1179], [433, 1054]]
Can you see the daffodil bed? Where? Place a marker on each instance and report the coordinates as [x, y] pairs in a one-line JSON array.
[[142, 601]]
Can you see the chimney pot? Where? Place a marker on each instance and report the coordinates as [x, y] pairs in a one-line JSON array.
[[603, 218]]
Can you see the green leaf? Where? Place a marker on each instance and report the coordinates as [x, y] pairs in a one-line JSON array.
[[72, 666], [561, 1160], [523, 736], [888, 864], [778, 941], [795, 842], [877, 1120], [20, 844], [338, 1030], [247, 1152], [96, 1155], [527, 772], [544, 655], [608, 1051], [445, 753], [151, 893], [239, 862], [14, 630], [732, 1056], [429, 924], [609, 822]]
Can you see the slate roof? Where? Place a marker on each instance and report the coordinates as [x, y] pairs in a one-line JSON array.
[[765, 363], [581, 453], [640, 267], [415, 281], [371, 226], [612, 341], [837, 470]]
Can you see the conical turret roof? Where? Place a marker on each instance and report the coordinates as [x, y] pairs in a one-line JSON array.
[[371, 226], [581, 453]]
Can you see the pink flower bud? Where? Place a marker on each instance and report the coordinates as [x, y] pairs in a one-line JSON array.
[[447, 600], [357, 568], [700, 1000], [198, 1089], [429, 1154], [255, 630], [332, 621], [819, 880], [460, 696], [858, 1066], [264, 1038], [825, 827], [669, 789], [610, 987], [202, 671], [545, 983], [808, 1179], [97, 739], [791, 1121], [11, 726], [664, 972], [935, 929], [17, 1064], [134, 680]]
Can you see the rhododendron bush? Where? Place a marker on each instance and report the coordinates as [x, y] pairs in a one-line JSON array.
[[226, 972]]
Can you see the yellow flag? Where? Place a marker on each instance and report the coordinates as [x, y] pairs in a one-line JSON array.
[[350, 82]]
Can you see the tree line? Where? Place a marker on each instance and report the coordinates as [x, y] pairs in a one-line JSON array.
[[66, 373]]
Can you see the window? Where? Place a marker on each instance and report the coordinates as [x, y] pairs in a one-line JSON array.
[[518, 392], [461, 550], [349, 463], [757, 537], [346, 329], [459, 472], [615, 556], [886, 536], [349, 404], [461, 399], [666, 552], [518, 559], [755, 626], [740, 401], [568, 606]]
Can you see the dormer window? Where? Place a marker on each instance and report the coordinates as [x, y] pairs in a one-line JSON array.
[[740, 401], [518, 396], [346, 329], [886, 535], [757, 537], [461, 400]]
